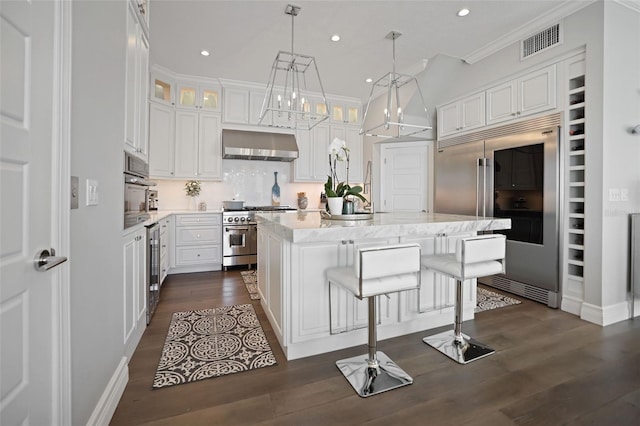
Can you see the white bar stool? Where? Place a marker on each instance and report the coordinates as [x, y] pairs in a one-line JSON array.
[[475, 257], [377, 271]]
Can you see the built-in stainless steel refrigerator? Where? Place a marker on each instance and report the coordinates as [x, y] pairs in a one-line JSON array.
[[514, 175]]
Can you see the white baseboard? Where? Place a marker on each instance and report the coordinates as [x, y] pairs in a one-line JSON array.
[[571, 305], [108, 402], [605, 315]]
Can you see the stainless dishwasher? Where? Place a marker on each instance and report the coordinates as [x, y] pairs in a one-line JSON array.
[[153, 269]]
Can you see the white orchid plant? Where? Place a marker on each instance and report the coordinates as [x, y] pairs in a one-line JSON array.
[[338, 151]]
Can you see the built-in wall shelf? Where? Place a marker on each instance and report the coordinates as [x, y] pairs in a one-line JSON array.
[[575, 169]]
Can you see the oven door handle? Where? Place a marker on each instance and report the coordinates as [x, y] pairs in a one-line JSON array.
[[235, 229]]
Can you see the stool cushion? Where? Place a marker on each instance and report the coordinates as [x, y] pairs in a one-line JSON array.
[[346, 277], [384, 261], [480, 248], [448, 264]]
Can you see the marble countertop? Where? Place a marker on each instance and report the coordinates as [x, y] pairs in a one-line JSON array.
[[306, 226]]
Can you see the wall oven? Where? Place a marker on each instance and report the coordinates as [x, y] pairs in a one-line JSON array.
[[136, 187]]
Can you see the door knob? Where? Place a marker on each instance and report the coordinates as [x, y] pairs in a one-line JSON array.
[[46, 259]]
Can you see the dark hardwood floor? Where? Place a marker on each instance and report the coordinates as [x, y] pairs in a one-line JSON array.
[[551, 368]]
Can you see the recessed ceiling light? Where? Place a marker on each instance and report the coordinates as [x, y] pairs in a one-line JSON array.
[[369, 80], [204, 52], [463, 12], [335, 37]]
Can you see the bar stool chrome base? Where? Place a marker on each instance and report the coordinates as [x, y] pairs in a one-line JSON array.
[[463, 351], [368, 379]]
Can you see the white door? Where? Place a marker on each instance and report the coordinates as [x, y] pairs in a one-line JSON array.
[[403, 177], [30, 213]]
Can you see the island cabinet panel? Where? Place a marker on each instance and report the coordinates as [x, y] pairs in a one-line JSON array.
[[275, 292], [437, 292], [310, 290], [295, 250]]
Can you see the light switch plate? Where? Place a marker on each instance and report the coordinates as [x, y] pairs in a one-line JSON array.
[[92, 192]]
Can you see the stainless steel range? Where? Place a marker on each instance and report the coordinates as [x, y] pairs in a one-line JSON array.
[[239, 238], [239, 235]]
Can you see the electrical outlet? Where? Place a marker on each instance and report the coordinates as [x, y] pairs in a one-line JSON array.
[[624, 194], [92, 192], [614, 194]]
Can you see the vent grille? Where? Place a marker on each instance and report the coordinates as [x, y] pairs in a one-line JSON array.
[[541, 295], [543, 40]]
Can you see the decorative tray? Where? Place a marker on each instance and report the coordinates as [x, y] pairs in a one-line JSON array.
[[355, 216]]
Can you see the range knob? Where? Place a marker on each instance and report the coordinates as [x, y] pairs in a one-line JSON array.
[[230, 219], [237, 219], [242, 219]]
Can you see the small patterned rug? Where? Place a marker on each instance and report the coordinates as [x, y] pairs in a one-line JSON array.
[[211, 343], [487, 300], [250, 279]]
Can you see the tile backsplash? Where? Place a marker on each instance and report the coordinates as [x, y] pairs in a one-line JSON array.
[[247, 180]]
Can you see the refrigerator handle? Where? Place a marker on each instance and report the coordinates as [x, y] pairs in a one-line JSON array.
[[485, 162], [478, 186]]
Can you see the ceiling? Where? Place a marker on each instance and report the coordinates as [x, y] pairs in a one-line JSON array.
[[244, 36]]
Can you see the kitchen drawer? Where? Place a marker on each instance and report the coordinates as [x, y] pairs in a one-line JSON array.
[[195, 255], [198, 235], [198, 219]]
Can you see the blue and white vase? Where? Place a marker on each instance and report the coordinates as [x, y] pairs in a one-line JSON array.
[[275, 191]]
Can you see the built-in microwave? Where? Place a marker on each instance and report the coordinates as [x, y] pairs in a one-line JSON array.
[[136, 187]]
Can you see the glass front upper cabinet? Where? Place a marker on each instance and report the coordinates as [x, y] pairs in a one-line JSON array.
[[198, 97], [346, 114], [162, 90]]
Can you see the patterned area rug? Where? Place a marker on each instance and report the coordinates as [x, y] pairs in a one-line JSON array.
[[211, 343], [487, 300], [250, 279]]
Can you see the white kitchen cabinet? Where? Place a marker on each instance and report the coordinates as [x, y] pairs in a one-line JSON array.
[[198, 242], [165, 244], [437, 292], [351, 135], [163, 87], [256, 99], [462, 115], [197, 145], [345, 112], [142, 12], [312, 164], [310, 290], [236, 105], [198, 95], [161, 140], [532, 93], [136, 89], [134, 288]]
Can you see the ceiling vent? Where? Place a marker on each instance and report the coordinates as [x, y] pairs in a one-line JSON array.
[[541, 41]]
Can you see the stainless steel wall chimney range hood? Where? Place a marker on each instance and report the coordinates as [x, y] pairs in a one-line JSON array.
[[248, 145]]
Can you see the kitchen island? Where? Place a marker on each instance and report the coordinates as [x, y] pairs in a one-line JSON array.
[[295, 249]]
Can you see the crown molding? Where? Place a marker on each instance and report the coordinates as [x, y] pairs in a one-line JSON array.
[[551, 17], [631, 4]]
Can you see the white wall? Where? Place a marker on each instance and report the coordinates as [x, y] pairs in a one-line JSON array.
[[97, 135], [247, 180], [610, 33], [621, 154]]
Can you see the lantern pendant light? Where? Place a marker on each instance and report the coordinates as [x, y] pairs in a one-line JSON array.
[[294, 95], [394, 122]]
